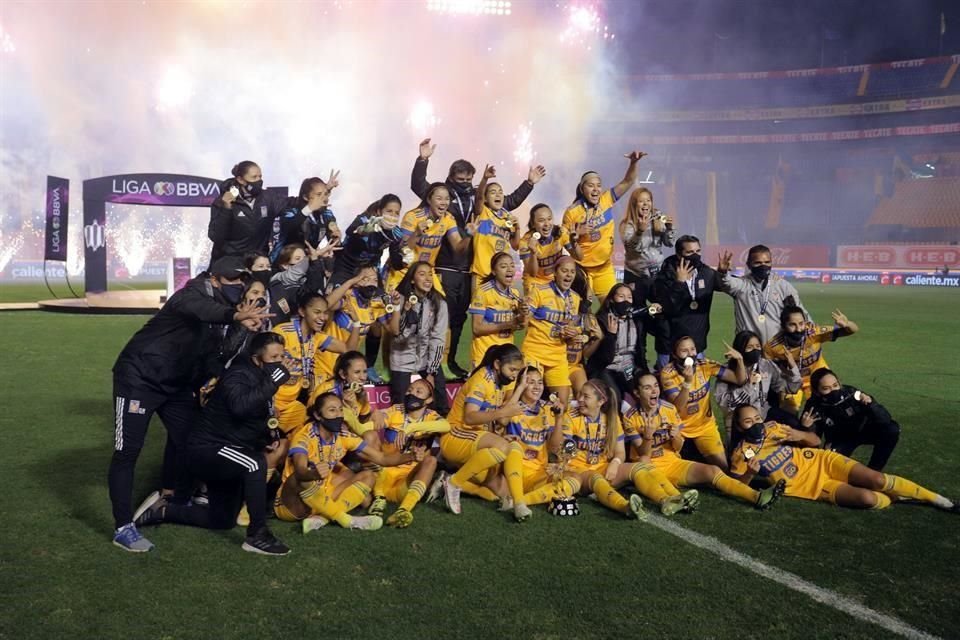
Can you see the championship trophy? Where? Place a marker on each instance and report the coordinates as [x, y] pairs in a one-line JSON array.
[[564, 505]]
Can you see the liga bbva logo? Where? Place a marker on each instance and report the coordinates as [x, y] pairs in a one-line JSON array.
[[163, 188]]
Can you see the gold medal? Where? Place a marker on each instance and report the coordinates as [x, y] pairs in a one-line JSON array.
[[762, 318], [273, 423], [305, 383], [694, 305]]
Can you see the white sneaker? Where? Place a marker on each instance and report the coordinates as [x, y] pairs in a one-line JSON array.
[[451, 496], [436, 488], [506, 504], [312, 523], [521, 512], [366, 523]]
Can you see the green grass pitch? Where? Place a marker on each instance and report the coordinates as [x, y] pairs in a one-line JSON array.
[[477, 575]]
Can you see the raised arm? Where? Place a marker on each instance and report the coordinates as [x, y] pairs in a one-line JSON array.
[[418, 177], [630, 176]]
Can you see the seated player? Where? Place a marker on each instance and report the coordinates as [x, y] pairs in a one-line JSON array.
[[686, 383], [469, 445], [653, 431], [543, 245], [412, 427], [497, 309], [776, 452], [304, 343], [316, 488], [804, 340]]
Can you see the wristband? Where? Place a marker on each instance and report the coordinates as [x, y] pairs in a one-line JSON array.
[[617, 460]]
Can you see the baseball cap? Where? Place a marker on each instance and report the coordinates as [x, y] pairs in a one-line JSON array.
[[229, 267]]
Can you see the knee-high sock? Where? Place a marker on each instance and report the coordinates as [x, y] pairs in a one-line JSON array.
[[547, 492], [414, 492], [380, 486], [725, 484], [883, 500], [607, 495], [903, 488], [315, 497], [351, 497], [513, 469], [480, 461], [480, 491], [644, 478]]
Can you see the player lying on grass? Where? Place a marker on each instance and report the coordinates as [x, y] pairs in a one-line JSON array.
[[776, 452]]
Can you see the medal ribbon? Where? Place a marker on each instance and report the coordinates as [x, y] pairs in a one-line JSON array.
[[306, 364]]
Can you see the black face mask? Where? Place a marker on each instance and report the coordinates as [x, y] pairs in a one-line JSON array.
[[412, 402], [621, 308], [263, 277], [232, 292], [751, 358], [793, 338], [694, 260], [253, 189], [754, 433], [276, 372], [834, 397], [761, 272], [332, 424], [367, 292], [463, 189]]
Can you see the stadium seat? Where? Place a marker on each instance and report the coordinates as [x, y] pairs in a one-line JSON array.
[[921, 203]]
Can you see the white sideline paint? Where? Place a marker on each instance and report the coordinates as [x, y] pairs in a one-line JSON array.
[[791, 581]]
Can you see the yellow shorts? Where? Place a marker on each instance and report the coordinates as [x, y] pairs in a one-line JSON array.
[[601, 278], [706, 437], [578, 466], [394, 278], [394, 481], [291, 416], [557, 375], [674, 468], [283, 512], [819, 476], [459, 445], [534, 474]]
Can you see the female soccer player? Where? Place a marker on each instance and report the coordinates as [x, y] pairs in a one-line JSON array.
[[308, 220], [347, 383], [498, 230], [304, 342], [497, 309], [654, 433], [420, 329], [366, 238], [542, 245], [314, 481], [481, 401], [590, 218], [645, 232], [686, 384], [533, 427], [778, 453], [298, 268], [580, 351], [554, 324]]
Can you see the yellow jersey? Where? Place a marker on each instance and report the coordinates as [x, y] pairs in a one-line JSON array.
[[428, 245], [307, 355], [493, 236], [550, 310], [590, 437], [494, 305], [532, 429], [319, 451], [808, 355], [598, 246], [395, 438], [480, 390], [699, 411], [367, 312], [548, 251], [665, 416]]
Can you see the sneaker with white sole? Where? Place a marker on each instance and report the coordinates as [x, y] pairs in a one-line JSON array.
[[436, 488], [521, 512], [378, 507], [636, 508], [672, 505], [129, 539], [451, 496], [264, 543], [401, 519], [147, 504], [312, 523], [366, 523], [691, 500]]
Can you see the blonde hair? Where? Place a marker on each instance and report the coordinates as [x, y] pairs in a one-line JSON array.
[[633, 206]]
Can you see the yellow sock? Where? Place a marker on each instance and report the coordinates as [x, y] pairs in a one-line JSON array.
[[480, 491], [379, 487], [480, 461], [903, 488], [351, 497], [547, 492], [414, 493], [725, 484], [644, 478], [315, 497], [883, 500], [513, 469], [607, 495]]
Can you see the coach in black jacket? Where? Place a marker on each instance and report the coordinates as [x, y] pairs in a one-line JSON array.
[[684, 286], [226, 449], [241, 222], [159, 370]]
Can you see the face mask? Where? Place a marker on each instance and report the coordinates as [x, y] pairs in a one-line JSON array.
[[694, 260], [412, 402], [367, 292], [232, 292], [276, 372], [463, 189], [263, 277], [754, 433], [834, 397], [760, 272], [332, 424], [793, 338], [751, 358], [621, 308], [253, 189]]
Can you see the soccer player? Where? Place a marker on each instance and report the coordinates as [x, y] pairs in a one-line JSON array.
[[232, 450], [366, 238], [685, 381], [242, 223], [554, 325], [308, 220], [158, 371], [804, 340], [481, 401], [347, 383], [590, 218], [777, 452], [846, 418], [299, 269], [305, 343], [758, 298], [543, 245], [497, 228], [654, 433], [497, 309], [317, 489]]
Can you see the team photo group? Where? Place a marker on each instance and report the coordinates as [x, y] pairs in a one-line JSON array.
[[261, 368]]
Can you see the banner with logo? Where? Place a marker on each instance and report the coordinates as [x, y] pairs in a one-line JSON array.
[[379, 397], [58, 214], [784, 256], [878, 256]]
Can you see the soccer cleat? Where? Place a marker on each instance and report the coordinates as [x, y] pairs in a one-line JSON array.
[[243, 516], [672, 505], [456, 371], [770, 495], [366, 523], [312, 523], [691, 500], [150, 510], [436, 488], [129, 539], [374, 377], [636, 508], [377, 507], [451, 496], [264, 543], [521, 512], [401, 519], [506, 504]]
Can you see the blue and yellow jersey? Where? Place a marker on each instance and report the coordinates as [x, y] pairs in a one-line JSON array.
[[699, 411], [480, 390], [308, 442], [598, 246], [548, 250], [550, 310], [495, 305], [493, 236], [590, 437], [428, 245], [367, 312], [532, 429], [395, 438], [588, 322], [664, 417], [338, 387], [808, 355], [312, 350]]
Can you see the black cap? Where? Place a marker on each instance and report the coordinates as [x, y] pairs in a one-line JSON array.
[[229, 267]]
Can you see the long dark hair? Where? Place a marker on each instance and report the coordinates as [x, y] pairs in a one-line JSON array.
[[581, 286], [430, 191], [490, 277], [406, 286], [579, 195], [377, 206], [605, 309], [505, 353], [740, 342], [305, 188], [343, 362]]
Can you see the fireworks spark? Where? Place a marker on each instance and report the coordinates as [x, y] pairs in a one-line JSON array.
[[523, 150]]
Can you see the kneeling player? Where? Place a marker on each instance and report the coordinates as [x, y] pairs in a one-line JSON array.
[[777, 452]]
